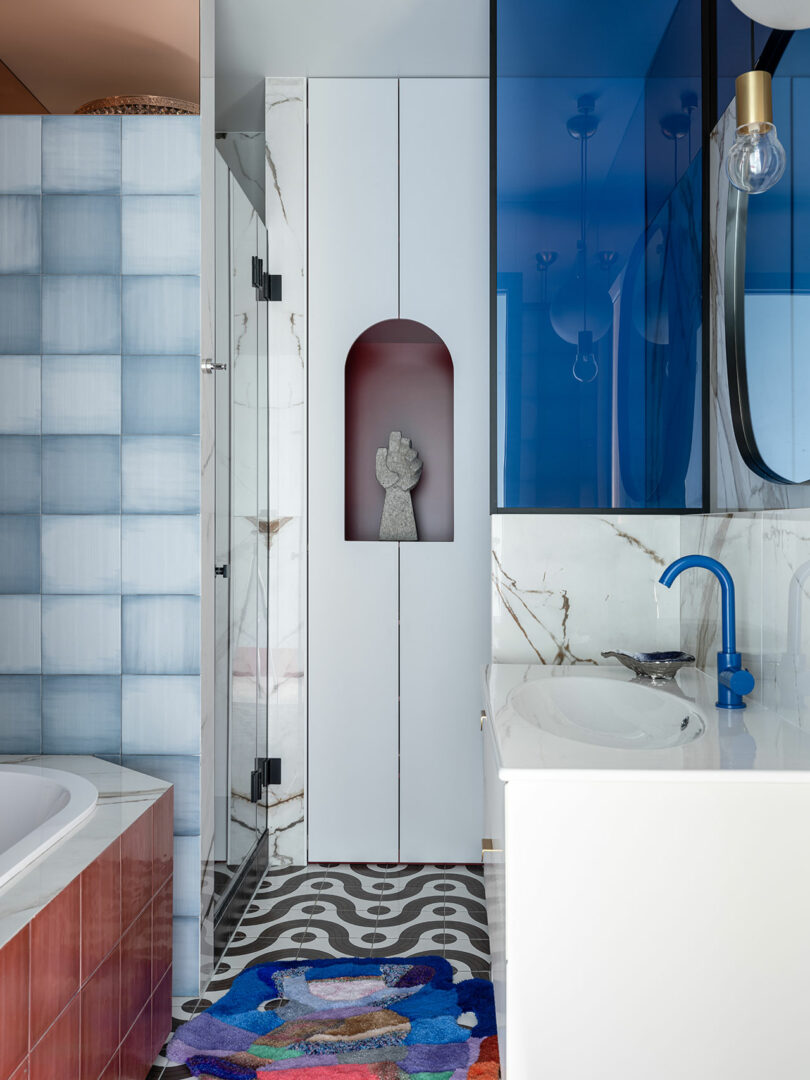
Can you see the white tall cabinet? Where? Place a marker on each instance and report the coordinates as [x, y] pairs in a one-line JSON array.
[[398, 633]]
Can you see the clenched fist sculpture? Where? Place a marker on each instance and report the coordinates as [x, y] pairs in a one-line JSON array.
[[398, 470]]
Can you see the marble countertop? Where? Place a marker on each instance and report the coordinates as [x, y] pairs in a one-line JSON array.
[[750, 744], [123, 795]]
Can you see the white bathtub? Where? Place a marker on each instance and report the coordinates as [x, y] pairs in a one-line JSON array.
[[38, 807]]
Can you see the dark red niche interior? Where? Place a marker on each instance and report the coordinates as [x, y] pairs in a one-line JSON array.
[[399, 377]]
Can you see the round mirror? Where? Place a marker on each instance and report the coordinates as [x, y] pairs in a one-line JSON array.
[[767, 293]]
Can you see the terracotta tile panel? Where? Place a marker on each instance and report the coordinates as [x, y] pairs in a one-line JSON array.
[[101, 908], [162, 830], [55, 958], [14, 1002], [22, 1072], [112, 1070], [136, 868], [56, 1056], [101, 1005], [136, 969], [161, 1013], [136, 1049], [161, 933]]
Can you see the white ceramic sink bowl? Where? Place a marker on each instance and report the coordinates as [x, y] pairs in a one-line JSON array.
[[606, 712]]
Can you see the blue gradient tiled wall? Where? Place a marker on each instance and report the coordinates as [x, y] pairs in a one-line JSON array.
[[100, 454]]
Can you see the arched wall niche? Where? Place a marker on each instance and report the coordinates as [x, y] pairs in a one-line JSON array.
[[399, 377]]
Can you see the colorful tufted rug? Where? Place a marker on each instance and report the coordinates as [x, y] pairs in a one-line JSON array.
[[345, 1020]]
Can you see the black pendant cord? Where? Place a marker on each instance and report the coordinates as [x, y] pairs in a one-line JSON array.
[[773, 50]]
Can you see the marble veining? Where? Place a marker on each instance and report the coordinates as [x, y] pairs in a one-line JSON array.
[[286, 217], [123, 797], [565, 587]]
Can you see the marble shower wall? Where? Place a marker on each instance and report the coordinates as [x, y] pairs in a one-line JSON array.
[[567, 586], [286, 218], [244, 153], [733, 485], [768, 554]]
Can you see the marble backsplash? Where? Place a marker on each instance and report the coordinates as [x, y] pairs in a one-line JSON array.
[[768, 554], [567, 586]]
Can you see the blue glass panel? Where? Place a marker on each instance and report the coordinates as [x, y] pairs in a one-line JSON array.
[[186, 956], [81, 714], [161, 714], [161, 315], [160, 474], [19, 544], [20, 314], [20, 155], [81, 474], [20, 635], [161, 155], [19, 395], [598, 249], [81, 234], [81, 553], [20, 230], [186, 876], [81, 154], [81, 635], [161, 234], [160, 395], [20, 464], [81, 395], [81, 314], [161, 635], [161, 554], [20, 721]]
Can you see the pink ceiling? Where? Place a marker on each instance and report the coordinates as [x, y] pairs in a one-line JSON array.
[[68, 52]]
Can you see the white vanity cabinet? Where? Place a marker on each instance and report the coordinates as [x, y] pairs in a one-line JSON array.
[[648, 910]]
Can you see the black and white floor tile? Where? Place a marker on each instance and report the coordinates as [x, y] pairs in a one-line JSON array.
[[340, 909]]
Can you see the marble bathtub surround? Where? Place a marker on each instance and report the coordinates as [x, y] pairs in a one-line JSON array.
[[567, 586], [100, 445], [86, 936]]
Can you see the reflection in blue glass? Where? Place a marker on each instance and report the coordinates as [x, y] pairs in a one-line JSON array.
[[599, 256]]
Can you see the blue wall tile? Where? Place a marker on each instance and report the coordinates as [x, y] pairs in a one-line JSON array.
[[81, 554], [184, 773], [20, 314], [81, 314], [81, 635], [160, 714], [160, 155], [160, 234], [81, 474], [186, 957], [81, 714], [160, 395], [20, 232], [81, 234], [81, 395], [20, 469], [160, 554], [19, 553], [20, 155], [20, 724], [20, 635], [19, 395], [161, 315], [187, 861], [81, 154], [161, 635], [160, 474]]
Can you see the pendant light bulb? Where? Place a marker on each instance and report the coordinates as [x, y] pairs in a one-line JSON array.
[[756, 161], [586, 367]]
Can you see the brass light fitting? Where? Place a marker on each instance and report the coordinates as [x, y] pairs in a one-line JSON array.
[[754, 99]]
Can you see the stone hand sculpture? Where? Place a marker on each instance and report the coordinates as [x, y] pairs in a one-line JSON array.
[[398, 470]]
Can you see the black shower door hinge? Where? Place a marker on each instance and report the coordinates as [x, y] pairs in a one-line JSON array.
[[271, 287], [270, 768]]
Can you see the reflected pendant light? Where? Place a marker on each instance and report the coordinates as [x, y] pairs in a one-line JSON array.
[[756, 160]]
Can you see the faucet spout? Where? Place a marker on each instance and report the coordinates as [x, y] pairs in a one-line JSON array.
[[733, 680], [686, 562]]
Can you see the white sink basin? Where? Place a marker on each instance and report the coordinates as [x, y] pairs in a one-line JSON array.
[[606, 712]]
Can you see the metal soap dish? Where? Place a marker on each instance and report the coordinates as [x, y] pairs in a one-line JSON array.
[[653, 665]]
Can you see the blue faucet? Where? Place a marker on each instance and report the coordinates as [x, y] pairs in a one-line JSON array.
[[733, 680]]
